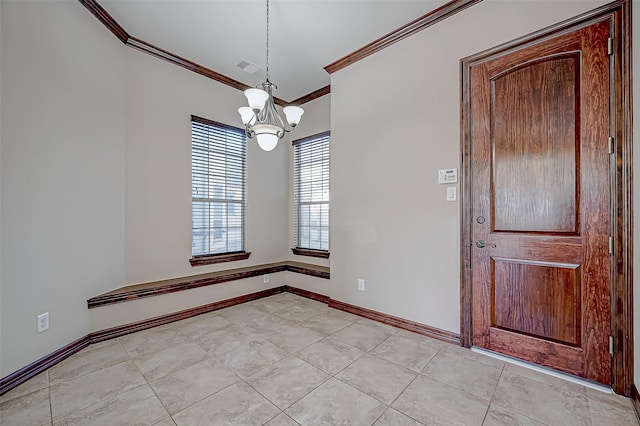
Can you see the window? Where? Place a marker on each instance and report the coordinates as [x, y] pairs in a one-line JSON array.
[[218, 192], [311, 195]]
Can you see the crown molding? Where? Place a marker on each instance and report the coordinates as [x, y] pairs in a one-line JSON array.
[[107, 20], [158, 52], [433, 17], [405, 31], [311, 96]]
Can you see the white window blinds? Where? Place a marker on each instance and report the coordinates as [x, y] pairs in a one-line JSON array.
[[218, 190], [311, 187]]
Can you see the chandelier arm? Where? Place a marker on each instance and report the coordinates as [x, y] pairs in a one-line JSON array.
[[248, 132]]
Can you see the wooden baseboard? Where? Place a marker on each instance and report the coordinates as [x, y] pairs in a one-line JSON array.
[[36, 367], [422, 329], [416, 327], [308, 294], [314, 272], [44, 363], [122, 330], [635, 397]]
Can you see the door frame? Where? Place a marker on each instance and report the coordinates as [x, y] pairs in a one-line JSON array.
[[619, 14]]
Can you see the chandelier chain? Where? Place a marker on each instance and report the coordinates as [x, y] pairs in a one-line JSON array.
[[267, 40], [261, 118]]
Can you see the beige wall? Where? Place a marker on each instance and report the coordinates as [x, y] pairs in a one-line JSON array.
[[395, 122], [62, 144], [160, 101]]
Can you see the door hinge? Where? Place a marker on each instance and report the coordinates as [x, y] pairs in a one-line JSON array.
[[610, 245], [612, 145], [610, 46], [611, 345]]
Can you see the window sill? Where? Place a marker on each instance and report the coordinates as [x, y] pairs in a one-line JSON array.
[[210, 259], [324, 254]]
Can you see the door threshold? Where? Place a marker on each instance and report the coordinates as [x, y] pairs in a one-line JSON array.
[[544, 370]]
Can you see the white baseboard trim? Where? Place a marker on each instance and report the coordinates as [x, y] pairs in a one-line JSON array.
[[545, 370]]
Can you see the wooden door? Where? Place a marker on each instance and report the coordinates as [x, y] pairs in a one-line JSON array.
[[540, 200]]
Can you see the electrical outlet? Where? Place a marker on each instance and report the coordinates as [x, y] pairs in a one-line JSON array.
[[265, 278], [43, 322], [360, 284]]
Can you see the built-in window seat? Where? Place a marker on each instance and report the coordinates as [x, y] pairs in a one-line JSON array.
[[113, 319], [156, 288]]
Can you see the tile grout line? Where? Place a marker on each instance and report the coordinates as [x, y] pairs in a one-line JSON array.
[[265, 397], [369, 352], [101, 401], [147, 382], [290, 405], [155, 393], [49, 396], [294, 354], [333, 376], [202, 399], [403, 390], [511, 409], [486, 413], [493, 394], [86, 374], [89, 372], [211, 356]]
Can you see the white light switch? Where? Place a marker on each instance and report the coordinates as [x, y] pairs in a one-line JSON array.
[[448, 176], [451, 193]]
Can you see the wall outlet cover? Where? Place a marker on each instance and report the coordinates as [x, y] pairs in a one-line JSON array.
[[43, 322]]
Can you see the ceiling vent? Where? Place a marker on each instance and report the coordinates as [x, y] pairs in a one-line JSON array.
[[250, 67]]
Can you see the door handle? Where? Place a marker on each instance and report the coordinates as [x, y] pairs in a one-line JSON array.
[[482, 244]]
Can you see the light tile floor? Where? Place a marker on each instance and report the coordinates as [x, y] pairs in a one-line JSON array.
[[286, 360]]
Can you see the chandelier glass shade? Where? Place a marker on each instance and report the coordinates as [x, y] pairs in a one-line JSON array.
[[261, 118]]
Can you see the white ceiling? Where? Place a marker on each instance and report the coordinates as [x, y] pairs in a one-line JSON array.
[[305, 35]]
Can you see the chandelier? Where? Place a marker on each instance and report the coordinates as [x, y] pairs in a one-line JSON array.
[[261, 119]]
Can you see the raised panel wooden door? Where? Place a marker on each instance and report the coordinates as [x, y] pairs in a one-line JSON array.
[[541, 203]]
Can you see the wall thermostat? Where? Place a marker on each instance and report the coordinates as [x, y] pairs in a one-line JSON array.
[[448, 176]]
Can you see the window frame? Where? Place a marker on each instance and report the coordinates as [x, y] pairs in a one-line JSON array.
[[299, 249], [228, 256]]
